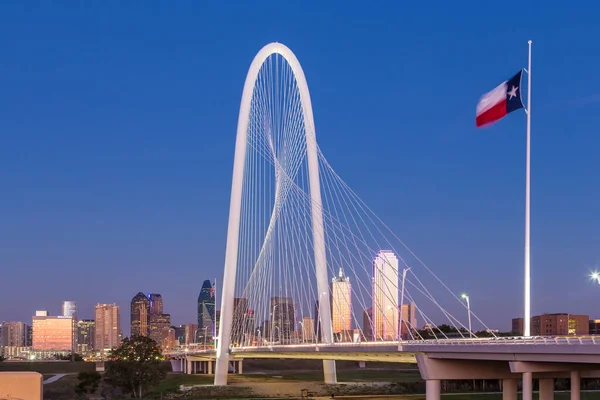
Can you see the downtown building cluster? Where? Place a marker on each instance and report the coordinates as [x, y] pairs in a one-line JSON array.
[[58, 336]]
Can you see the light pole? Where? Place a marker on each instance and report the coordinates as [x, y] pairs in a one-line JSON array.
[[258, 330], [466, 297]]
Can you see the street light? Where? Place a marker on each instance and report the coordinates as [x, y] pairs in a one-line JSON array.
[[595, 276], [466, 297]]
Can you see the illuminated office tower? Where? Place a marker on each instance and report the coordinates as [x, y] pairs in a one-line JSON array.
[[108, 327], [140, 310], [52, 333], [385, 296], [341, 305]]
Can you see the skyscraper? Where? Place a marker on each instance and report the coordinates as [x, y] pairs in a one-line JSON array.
[[341, 305], [308, 329], [69, 309], [108, 327], [86, 332], [368, 324], [140, 309], [206, 313], [159, 325], [156, 303], [408, 325], [282, 318], [385, 296], [13, 334], [240, 330], [190, 333]]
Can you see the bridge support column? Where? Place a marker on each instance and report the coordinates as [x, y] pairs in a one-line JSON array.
[[188, 368], [575, 385], [210, 369], [509, 389], [547, 389], [527, 386], [240, 368], [433, 389]]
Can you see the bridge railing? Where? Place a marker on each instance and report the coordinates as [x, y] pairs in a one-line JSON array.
[[499, 341]]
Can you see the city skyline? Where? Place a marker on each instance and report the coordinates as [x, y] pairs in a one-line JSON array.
[[80, 196]]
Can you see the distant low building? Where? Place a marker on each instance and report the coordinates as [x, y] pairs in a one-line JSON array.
[[594, 326], [558, 324]]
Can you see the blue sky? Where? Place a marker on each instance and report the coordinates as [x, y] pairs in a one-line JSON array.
[[117, 125]]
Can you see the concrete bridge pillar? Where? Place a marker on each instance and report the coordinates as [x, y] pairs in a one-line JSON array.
[[240, 369], [575, 385], [547, 389], [509, 389], [527, 386], [210, 367], [188, 366], [433, 389]]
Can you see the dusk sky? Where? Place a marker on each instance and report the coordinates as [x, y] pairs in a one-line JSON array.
[[118, 121]]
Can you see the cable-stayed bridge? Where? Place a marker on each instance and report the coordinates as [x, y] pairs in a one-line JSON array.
[[312, 272]]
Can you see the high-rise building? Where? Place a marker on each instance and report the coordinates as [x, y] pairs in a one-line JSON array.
[[341, 304], [385, 296], [156, 303], [190, 333], [517, 326], [13, 334], [159, 325], [408, 323], [243, 321], [282, 318], [206, 313], [368, 324], [52, 333], [317, 322], [308, 329], [69, 309], [108, 327], [170, 341], [86, 334], [140, 310]]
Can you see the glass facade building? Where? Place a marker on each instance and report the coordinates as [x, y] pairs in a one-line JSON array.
[[52, 333], [107, 327], [140, 310], [86, 332], [206, 313]]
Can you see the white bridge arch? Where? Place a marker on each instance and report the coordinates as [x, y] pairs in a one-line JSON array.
[[233, 232]]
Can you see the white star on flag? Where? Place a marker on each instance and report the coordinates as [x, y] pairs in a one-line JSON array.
[[513, 92]]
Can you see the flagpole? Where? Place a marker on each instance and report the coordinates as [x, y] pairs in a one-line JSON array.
[[527, 318]]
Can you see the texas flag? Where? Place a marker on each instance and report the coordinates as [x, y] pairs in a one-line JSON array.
[[501, 101]]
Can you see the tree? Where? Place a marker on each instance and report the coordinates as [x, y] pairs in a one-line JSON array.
[[88, 382], [135, 365], [2, 358]]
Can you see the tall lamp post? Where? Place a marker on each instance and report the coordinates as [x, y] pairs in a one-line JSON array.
[[466, 297]]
